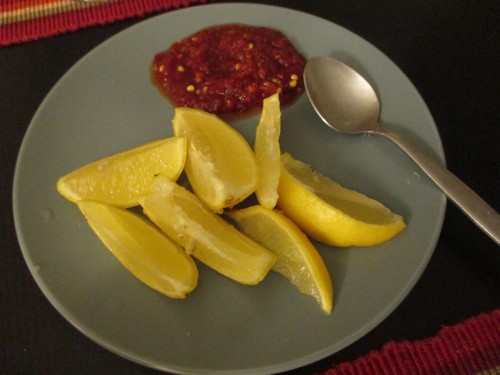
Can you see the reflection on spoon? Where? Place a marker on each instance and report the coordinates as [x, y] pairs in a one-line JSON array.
[[346, 102]]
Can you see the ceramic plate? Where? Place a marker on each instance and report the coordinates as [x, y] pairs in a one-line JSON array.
[[106, 103]]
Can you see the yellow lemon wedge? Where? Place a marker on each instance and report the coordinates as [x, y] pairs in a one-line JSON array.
[[142, 249], [298, 260], [331, 213], [220, 165], [267, 151], [122, 178], [204, 234]]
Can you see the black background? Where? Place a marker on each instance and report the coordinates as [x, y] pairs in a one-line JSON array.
[[448, 49]]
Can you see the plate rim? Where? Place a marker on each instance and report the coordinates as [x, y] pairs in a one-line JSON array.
[[98, 339]]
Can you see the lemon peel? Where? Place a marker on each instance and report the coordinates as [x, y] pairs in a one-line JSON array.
[[267, 151], [298, 260], [220, 165], [204, 234], [120, 179], [142, 249], [331, 213]]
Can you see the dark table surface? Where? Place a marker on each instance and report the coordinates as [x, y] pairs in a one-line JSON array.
[[449, 49]]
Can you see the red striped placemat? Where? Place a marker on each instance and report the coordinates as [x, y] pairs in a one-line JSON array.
[[468, 348], [27, 20]]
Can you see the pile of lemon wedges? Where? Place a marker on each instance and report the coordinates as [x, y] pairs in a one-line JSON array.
[[208, 220]]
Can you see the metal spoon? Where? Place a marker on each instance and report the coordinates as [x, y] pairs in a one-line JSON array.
[[346, 102]]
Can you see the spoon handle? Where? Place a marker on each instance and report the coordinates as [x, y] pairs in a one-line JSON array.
[[483, 215]]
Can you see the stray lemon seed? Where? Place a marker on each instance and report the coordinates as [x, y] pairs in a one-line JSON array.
[[190, 88], [180, 68], [294, 77], [237, 66], [250, 45], [292, 83], [161, 68]]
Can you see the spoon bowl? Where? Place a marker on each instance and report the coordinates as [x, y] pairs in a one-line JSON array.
[[343, 99], [346, 102]]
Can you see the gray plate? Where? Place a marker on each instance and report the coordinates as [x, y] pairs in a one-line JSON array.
[[106, 103]]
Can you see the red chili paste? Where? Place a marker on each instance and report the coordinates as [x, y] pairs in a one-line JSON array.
[[229, 69]]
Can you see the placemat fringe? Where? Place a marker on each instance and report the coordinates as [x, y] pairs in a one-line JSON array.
[[24, 21], [468, 348]]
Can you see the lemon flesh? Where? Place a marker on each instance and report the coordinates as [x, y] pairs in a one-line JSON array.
[[122, 178], [220, 165], [298, 260], [204, 234], [331, 213], [267, 151], [142, 249]]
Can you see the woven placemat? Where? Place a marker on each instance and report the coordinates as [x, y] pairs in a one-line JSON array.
[[28, 20], [470, 347]]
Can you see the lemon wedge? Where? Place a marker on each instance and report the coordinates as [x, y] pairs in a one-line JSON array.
[[204, 234], [331, 213], [298, 260], [142, 249], [220, 165], [122, 178], [267, 151]]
